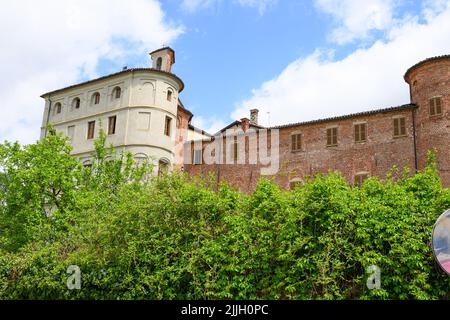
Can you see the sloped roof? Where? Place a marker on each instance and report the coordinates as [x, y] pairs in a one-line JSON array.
[[117, 74]]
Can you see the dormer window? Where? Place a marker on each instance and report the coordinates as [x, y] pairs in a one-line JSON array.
[[76, 103], [117, 92], [58, 108], [95, 98], [159, 63]]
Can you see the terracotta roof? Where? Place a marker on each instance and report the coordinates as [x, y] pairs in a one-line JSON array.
[[443, 57], [117, 74], [365, 113]]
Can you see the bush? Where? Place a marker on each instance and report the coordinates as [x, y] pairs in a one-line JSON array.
[[176, 237]]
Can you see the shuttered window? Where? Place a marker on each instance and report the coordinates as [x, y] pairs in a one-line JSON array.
[[112, 125], [399, 127], [332, 137], [436, 106], [361, 132], [91, 129], [296, 143]]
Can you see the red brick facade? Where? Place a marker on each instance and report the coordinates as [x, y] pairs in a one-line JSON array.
[[376, 156]]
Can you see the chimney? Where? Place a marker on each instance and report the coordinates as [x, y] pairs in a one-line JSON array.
[[254, 116], [245, 124]]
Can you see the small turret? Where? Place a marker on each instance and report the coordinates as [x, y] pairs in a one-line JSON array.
[[163, 59]]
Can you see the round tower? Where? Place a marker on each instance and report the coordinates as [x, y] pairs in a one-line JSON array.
[[429, 83]]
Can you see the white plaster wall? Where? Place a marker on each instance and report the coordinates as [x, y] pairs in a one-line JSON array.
[[143, 92]]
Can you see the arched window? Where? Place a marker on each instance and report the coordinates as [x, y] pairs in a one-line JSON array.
[[58, 108], [159, 63], [294, 183], [117, 92], [169, 95], [163, 167], [95, 98], [76, 103]]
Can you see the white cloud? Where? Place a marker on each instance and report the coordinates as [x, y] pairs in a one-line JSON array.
[[260, 5], [193, 5], [211, 124], [318, 86], [50, 44], [357, 18]]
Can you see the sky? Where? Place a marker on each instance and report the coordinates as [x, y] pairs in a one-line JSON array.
[[293, 60]]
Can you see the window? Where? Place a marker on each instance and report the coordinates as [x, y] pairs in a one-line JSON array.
[[399, 127], [360, 132], [197, 157], [112, 125], [58, 108], [96, 98], [332, 137], [234, 151], [436, 106], [163, 167], [294, 183], [71, 132], [167, 126], [91, 129], [169, 95], [159, 63], [360, 177], [76, 103], [296, 143], [117, 92]]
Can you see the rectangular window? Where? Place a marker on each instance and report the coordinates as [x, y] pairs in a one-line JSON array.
[[143, 121], [91, 129], [197, 157], [360, 132], [71, 132], [112, 125], [332, 137], [399, 127], [234, 151], [436, 106], [167, 126], [296, 142]]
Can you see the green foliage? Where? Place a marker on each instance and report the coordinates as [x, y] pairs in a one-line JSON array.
[[135, 236]]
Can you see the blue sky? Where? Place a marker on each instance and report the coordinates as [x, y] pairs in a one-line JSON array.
[[297, 60]]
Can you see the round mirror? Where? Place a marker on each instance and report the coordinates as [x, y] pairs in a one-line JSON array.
[[441, 241]]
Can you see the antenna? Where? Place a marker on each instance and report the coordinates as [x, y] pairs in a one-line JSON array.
[[268, 117]]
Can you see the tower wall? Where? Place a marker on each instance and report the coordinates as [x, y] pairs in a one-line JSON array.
[[427, 80]]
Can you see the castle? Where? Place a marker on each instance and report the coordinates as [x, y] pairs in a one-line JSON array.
[[145, 116]]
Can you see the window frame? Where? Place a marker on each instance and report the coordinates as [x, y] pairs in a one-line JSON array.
[[167, 126], [433, 106], [358, 134], [398, 125], [195, 160], [360, 177], [117, 93], [334, 137], [295, 136], [76, 103], [89, 136], [96, 98], [58, 108], [112, 124], [169, 95]]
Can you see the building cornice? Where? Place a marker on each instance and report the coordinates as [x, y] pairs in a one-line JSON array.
[[110, 76]]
